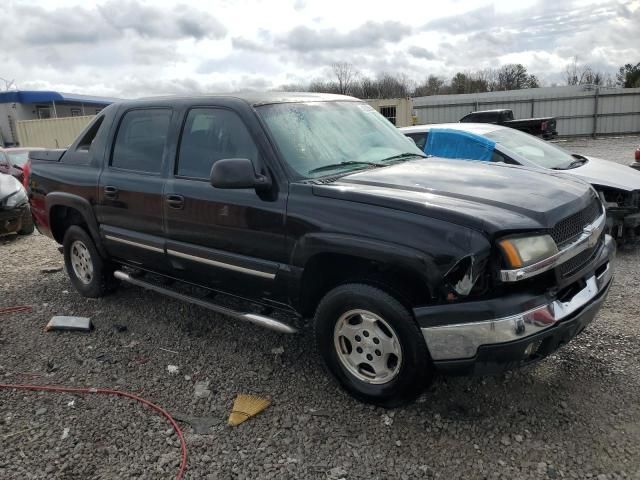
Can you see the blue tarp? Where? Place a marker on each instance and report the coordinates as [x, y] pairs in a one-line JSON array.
[[451, 143], [43, 96]]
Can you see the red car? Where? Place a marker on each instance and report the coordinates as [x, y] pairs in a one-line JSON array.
[[12, 161], [636, 164]]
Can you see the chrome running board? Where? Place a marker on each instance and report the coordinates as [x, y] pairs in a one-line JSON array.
[[261, 320]]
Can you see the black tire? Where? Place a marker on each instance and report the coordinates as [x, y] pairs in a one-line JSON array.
[[415, 369], [102, 280], [27, 226]]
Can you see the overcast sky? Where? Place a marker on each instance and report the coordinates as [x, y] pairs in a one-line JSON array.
[[130, 48]]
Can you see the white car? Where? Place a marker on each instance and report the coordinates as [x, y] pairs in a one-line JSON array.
[[617, 185]]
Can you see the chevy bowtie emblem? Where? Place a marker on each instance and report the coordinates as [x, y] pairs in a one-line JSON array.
[[592, 238]]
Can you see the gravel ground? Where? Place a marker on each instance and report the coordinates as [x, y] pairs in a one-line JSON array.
[[575, 415], [616, 149]]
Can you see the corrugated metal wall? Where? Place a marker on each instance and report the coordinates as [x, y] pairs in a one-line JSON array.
[[51, 132], [602, 111]]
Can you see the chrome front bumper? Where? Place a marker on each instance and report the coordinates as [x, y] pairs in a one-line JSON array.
[[462, 340]]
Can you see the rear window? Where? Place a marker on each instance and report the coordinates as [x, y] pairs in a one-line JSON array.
[[18, 158], [141, 140]]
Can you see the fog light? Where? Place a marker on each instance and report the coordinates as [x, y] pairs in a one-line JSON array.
[[531, 348]]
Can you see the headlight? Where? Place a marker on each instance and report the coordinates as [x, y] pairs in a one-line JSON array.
[[523, 251], [16, 199]]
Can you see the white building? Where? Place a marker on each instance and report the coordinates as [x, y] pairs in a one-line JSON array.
[[30, 105]]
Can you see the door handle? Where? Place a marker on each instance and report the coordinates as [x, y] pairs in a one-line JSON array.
[[175, 201], [110, 192]]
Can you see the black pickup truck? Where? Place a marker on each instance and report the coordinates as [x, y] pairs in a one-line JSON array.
[[315, 206], [540, 127]]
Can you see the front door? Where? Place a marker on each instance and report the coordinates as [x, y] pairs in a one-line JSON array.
[[130, 205], [230, 239]]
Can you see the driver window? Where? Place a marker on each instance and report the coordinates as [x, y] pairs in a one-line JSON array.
[[209, 135]]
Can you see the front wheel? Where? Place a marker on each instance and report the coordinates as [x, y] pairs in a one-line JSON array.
[[372, 345], [27, 226], [90, 275]]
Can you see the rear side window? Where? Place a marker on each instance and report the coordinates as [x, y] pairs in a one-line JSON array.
[[141, 140], [209, 135], [420, 139], [87, 139]]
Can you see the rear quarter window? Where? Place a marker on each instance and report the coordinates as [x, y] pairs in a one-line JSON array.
[[419, 138]]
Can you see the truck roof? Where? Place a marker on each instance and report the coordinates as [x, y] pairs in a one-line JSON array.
[[494, 110], [255, 98]]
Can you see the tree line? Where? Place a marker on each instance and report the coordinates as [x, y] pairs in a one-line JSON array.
[[345, 79]]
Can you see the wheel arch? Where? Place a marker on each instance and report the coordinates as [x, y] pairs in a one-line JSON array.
[[328, 260], [66, 209]]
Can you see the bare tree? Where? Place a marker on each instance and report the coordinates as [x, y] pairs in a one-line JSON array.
[[431, 86], [513, 76], [346, 75], [577, 74], [369, 88]]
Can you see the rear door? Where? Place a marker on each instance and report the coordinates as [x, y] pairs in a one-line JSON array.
[[229, 239], [130, 205]]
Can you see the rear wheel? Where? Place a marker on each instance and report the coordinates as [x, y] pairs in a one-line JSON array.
[[372, 345], [90, 275]]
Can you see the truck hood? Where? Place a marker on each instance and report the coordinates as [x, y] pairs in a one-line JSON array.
[[491, 197], [607, 174]]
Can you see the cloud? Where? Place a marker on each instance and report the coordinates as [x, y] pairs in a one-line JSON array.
[[241, 43], [420, 52], [110, 21], [368, 35], [141, 47], [181, 21]]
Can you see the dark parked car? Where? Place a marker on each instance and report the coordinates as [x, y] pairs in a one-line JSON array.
[[13, 160], [15, 213], [312, 205], [617, 185], [540, 127]]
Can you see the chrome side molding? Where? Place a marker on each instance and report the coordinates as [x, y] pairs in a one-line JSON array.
[[228, 266], [261, 320], [133, 244]]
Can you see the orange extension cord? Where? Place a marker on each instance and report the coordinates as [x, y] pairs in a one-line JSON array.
[[107, 391]]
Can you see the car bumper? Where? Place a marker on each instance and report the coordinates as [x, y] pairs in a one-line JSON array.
[[11, 220], [520, 328]]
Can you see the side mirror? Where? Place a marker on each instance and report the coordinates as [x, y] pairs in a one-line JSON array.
[[237, 173]]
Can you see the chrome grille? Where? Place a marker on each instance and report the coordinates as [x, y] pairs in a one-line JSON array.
[[576, 263], [571, 227]]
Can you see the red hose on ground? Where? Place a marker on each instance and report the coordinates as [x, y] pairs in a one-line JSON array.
[[107, 391], [16, 309]]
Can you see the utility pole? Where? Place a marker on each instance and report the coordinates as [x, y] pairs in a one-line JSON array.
[[8, 84]]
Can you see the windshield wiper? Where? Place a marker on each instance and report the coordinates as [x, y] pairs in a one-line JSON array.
[[334, 166], [402, 155], [579, 161]]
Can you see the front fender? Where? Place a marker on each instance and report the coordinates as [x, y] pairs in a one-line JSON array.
[[312, 244]]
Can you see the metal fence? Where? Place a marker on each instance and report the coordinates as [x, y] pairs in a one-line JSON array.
[[578, 110], [51, 132]]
